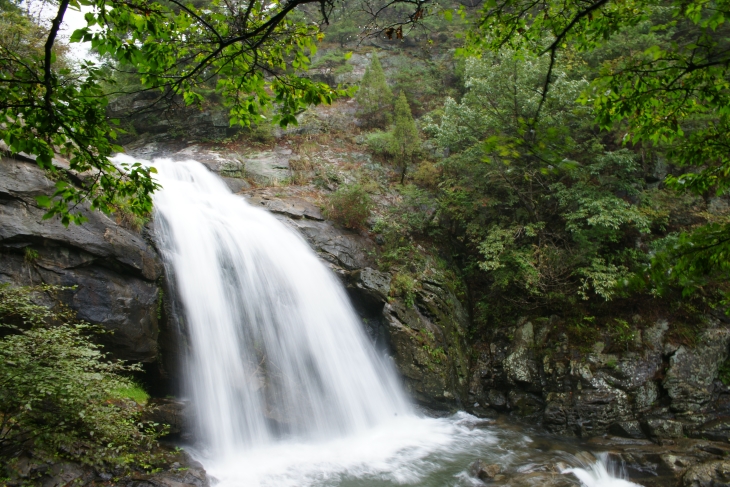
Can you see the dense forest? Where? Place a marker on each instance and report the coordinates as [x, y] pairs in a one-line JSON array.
[[562, 162]]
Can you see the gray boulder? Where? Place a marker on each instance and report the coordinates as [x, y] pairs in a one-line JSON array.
[[115, 270], [689, 381], [715, 473]]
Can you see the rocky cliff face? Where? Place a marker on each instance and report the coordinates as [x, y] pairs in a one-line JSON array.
[[661, 391], [114, 272]]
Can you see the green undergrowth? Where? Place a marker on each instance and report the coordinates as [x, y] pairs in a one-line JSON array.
[[58, 389], [133, 391]]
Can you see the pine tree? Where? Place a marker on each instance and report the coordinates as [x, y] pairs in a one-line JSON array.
[[374, 96], [405, 142]]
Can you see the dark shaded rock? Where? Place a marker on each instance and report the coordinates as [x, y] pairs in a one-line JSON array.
[[427, 343], [715, 473], [374, 284], [484, 471], [66, 473], [586, 413], [115, 270], [627, 429], [294, 208], [525, 403], [347, 250], [497, 400], [171, 412], [717, 430], [167, 120], [192, 475], [236, 185], [664, 428]]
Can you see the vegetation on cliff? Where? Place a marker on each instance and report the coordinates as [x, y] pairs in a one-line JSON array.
[[61, 397]]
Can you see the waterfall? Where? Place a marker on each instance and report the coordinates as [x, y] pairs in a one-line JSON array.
[[277, 349], [287, 389]]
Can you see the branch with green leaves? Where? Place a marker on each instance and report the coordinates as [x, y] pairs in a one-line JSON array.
[[254, 51]]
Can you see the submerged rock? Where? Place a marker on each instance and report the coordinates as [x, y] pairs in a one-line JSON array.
[[483, 471]]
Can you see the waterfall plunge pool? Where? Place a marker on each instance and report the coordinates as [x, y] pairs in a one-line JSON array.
[[420, 451]]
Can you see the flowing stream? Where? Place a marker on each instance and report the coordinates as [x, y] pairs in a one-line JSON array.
[[287, 388]]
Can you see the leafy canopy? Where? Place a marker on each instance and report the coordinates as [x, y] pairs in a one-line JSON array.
[[671, 96], [251, 49]]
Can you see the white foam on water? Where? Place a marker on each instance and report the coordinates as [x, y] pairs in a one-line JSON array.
[[404, 451], [602, 473]]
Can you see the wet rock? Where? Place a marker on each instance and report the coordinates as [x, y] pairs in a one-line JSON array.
[[497, 400], [689, 379], [525, 403], [587, 413], [520, 365], [715, 473], [664, 428], [236, 185], [678, 464], [294, 208], [372, 282], [166, 411], [718, 430], [342, 248], [627, 429], [483, 471], [115, 270], [427, 343]]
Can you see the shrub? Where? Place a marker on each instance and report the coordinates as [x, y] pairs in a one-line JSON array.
[[404, 286], [379, 143], [349, 206], [60, 397]]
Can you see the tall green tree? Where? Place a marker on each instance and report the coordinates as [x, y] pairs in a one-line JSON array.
[[374, 96], [405, 142]]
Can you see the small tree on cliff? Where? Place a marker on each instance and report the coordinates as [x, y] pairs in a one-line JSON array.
[[405, 142], [374, 96]]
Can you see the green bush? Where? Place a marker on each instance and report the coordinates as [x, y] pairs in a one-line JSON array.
[[404, 286], [379, 143], [60, 396], [349, 206]]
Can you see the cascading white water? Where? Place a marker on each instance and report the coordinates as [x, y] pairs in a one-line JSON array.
[[277, 346], [287, 389], [602, 473]]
